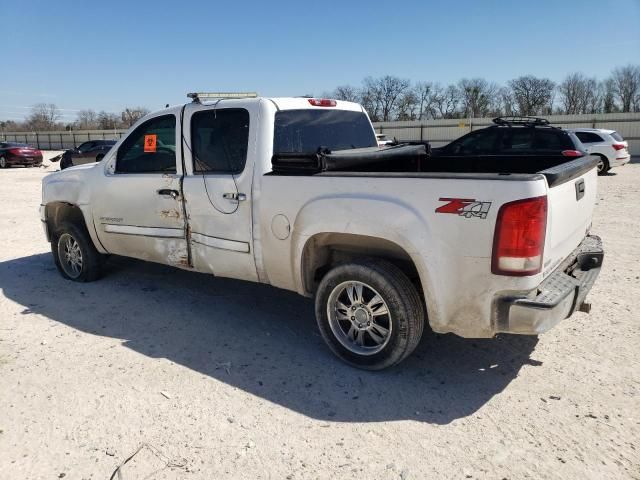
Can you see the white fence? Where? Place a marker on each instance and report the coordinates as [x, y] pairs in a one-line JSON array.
[[60, 140], [440, 132]]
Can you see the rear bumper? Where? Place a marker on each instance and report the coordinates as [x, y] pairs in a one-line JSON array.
[[619, 161], [556, 298], [18, 160]]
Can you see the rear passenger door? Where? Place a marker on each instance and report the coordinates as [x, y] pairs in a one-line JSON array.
[[220, 148]]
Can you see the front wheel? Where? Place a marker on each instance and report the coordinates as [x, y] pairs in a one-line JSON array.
[[3, 162], [65, 163], [75, 255], [369, 314]]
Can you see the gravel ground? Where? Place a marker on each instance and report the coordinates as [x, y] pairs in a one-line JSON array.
[[217, 379]]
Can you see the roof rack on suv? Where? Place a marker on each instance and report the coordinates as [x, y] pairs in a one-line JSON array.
[[516, 120]]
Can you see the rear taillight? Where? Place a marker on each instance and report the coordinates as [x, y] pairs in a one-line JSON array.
[[572, 153], [617, 146], [518, 242], [322, 102]]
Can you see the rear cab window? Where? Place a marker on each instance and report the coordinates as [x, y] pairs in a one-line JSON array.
[[307, 130]]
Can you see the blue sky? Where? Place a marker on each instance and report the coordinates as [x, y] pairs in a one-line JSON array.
[[108, 55]]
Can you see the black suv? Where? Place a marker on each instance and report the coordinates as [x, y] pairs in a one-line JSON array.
[[87, 152], [511, 143]]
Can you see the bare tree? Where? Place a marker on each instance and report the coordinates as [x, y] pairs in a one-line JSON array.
[[380, 95], [108, 121], [346, 92], [86, 120], [626, 83], [478, 97], [424, 93], [607, 88], [532, 95], [43, 116], [132, 115], [578, 94], [408, 105], [446, 100]]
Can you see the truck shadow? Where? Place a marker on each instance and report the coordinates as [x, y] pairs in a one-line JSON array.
[[265, 341]]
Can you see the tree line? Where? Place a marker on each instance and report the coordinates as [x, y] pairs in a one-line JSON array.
[[46, 116], [391, 98]]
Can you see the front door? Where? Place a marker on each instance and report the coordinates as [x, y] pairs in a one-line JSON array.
[[137, 206]]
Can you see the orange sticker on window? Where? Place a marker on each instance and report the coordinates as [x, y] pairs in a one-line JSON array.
[[150, 143]]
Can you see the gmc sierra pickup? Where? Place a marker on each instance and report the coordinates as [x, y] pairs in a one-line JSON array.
[[295, 193]]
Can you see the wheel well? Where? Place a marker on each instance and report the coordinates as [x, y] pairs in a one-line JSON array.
[[60, 212], [325, 250]]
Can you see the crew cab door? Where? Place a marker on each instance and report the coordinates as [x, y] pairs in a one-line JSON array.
[[220, 150], [137, 203]]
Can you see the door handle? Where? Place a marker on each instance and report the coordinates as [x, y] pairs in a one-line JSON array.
[[168, 192], [235, 196]]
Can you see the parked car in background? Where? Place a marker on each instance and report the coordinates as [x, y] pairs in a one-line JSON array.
[[382, 140], [19, 154], [608, 145], [88, 152], [513, 143]]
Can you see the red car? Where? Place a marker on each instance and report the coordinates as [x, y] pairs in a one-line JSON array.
[[19, 154]]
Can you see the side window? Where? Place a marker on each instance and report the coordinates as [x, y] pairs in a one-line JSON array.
[[480, 142], [151, 148], [220, 139], [552, 140], [588, 137], [517, 140], [85, 146]]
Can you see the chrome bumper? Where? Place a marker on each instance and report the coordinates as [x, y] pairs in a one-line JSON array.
[[556, 298]]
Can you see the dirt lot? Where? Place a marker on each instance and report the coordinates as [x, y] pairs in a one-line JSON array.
[[221, 379]]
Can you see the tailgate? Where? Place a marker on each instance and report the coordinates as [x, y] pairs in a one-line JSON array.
[[570, 199]]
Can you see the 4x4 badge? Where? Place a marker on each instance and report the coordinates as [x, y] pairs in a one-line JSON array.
[[464, 207]]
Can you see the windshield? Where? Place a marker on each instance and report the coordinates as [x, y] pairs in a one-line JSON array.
[[305, 131]]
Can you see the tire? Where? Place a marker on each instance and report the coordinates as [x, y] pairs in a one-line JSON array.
[[71, 243], [99, 157], [358, 335], [65, 162], [3, 163], [603, 165]]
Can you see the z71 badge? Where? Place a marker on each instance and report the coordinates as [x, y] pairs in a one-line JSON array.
[[465, 207]]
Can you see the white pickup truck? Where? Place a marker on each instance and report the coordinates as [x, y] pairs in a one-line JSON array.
[[384, 239]]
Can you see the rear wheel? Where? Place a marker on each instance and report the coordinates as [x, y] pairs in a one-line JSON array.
[[3, 162], [65, 162], [75, 255], [99, 157], [603, 165], [369, 314]]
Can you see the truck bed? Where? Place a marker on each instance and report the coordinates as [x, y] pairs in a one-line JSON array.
[[414, 161]]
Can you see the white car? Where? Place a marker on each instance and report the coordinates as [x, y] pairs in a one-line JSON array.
[[295, 193], [382, 140], [608, 145]]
